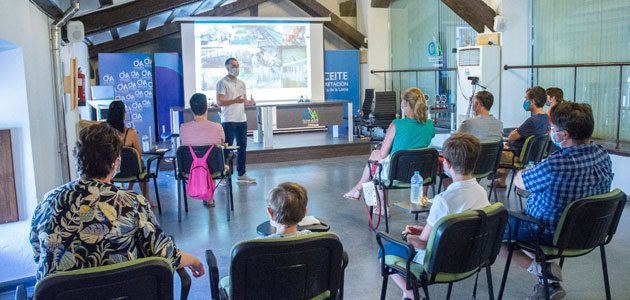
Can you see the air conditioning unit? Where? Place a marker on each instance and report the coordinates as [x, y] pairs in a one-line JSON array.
[[477, 66]]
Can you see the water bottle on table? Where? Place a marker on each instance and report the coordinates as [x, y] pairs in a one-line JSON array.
[[416, 188], [145, 143]]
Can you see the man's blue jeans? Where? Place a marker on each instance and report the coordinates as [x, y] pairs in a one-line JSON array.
[[238, 131]]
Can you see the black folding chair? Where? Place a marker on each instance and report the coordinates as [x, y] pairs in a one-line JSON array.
[[460, 246], [216, 165], [403, 164], [585, 224], [487, 164], [532, 150], [131, 171], [304, 267]]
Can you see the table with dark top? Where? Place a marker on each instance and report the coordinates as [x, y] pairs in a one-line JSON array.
[[412, 208]]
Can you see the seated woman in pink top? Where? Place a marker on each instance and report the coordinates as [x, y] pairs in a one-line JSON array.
[[201, 131]]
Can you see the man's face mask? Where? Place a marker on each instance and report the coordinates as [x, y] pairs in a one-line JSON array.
[[234, 71]]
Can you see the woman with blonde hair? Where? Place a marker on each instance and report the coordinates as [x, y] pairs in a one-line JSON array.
[[414, 130]]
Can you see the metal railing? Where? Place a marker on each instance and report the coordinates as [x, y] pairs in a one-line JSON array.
[[450, 112], [416, 71], [575, 68]]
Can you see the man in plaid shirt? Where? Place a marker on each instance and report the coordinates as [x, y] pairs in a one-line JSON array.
[[579, 169]]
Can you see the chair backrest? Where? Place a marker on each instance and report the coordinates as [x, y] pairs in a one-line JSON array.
[[130, 164], [533, 149], [489, 159], [145, 278], [384, 108], [589, 222], [404, 163], [216, 162], [462, 243], [287, 268], [366, 108]]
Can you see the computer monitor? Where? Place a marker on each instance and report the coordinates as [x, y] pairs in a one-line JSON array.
[[102, 92]]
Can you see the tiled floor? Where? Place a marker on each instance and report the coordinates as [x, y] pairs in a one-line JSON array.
[[326, 180]]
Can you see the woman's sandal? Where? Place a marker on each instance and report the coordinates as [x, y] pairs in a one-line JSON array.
[[378, 211], [354, 194]]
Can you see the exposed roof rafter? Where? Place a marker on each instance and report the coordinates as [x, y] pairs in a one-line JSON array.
[[49, 8], [336, 24], [133, 40], [127, 13], [475, 12]]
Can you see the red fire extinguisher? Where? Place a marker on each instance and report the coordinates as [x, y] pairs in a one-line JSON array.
[[81, 90]]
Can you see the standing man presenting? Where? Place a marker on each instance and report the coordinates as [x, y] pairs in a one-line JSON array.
[[232, 98]]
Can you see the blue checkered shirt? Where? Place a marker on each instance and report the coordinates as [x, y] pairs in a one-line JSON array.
[[565, 176]]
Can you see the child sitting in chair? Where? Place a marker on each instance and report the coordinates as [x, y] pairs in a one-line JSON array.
[[460, 153], [286, 206]]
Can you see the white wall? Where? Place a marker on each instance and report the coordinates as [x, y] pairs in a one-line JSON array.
[[24, 25], [516, 51], [378, 43], [15, 255]]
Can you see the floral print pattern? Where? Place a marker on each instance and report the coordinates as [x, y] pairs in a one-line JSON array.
[[88, 223]]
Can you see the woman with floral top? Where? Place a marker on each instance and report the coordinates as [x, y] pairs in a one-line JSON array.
[[90, 222]]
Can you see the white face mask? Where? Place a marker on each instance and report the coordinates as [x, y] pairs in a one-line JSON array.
[[402, 108], [234, 72]]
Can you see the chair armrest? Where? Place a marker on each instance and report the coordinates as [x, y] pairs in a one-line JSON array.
[[174, 162], [150, 161], [213, 271], [523, 217], [344, 264], [411, 253], [185, 279]]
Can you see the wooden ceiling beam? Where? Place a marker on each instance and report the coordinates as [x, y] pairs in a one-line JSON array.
[[105, 3], [143, 24], [171, 16], [127, 13], [133, 40], [336, 24], [229, 9], [114, 33], [380, 3], [160, 31], [49, 8], [475, 12]]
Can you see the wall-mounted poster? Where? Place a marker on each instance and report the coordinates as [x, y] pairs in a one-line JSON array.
[[132, 78]]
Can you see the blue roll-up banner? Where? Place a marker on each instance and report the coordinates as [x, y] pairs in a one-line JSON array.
[[169, 87], [132, 78], [342, 76]]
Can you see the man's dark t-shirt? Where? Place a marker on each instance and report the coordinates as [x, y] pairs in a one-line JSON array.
[[534, 125]]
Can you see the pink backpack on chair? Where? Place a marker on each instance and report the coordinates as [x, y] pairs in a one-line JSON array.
[[200, 183]]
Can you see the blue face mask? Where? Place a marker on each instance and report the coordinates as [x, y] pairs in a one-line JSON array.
[[553, 140], [526, 105], [446, 172]]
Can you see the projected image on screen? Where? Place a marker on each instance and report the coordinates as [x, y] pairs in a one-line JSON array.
[[274, 58]]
